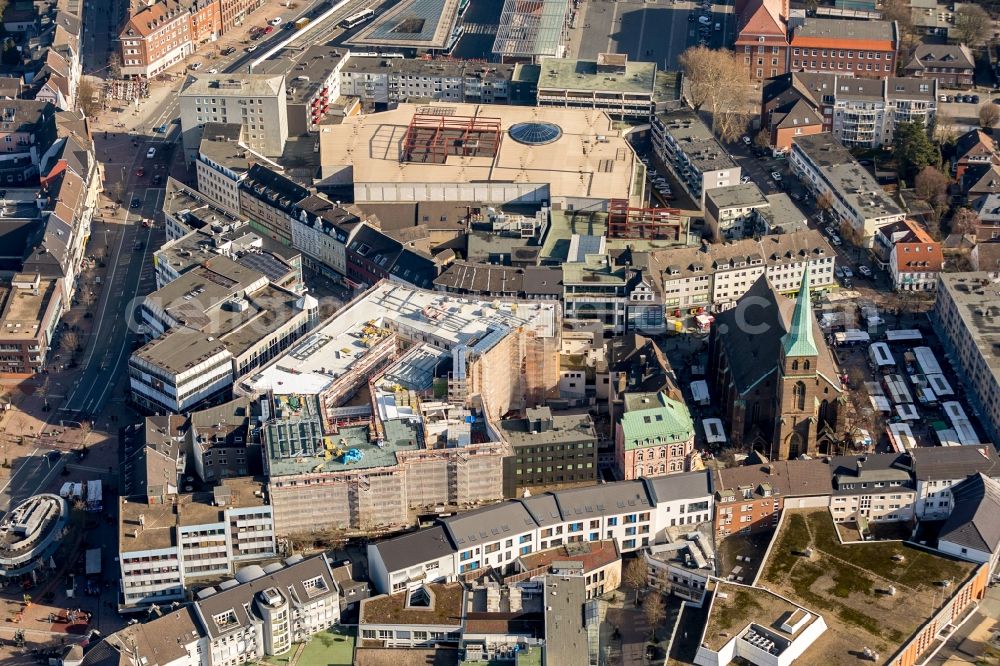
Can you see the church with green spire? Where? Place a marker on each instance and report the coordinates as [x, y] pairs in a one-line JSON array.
[[775, 378]]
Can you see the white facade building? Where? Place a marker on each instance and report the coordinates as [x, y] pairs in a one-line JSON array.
[[255, 101], [632, 513], [162, 552], [856, 199]]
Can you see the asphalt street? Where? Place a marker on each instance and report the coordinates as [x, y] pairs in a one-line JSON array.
[[31, 473], [656, 31]]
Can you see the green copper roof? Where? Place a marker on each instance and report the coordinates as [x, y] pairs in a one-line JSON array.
[[665, 421], [799, 339]]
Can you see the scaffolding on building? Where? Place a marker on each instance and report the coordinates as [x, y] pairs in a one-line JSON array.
[[625, 221], [433, 137]]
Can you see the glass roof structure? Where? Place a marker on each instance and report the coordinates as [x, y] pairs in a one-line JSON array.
[[535, 133], [418, 24], [531, 28]]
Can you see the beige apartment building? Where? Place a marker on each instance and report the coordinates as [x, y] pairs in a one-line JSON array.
[[31, 309], [254, 101], [156, 37], [964, 314]]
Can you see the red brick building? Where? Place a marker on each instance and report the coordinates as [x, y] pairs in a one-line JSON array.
[[750, 498], [762, 38], [852, 48], [162, 34], [206, 20], [234, 12], [156, 37]]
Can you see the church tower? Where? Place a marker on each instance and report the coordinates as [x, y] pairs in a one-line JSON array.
[[795, 415]]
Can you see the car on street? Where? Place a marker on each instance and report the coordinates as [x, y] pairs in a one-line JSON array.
[[746, 140], [160, 129], [776, 176], [151, 153], [690, 18], [140, 172], [157, 179], [229, 50], [864, 270], [848, 272], [704, 20], [745, 180], [136, 202], [251, 48], [276, 20], [835, 241], [796, 196]]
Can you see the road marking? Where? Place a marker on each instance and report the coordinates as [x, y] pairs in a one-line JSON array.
[[125, 340], [53, 469], [614, 20], [12, 476]]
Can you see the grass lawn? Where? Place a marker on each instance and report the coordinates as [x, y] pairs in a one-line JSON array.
[[849, 583], [334, 647]]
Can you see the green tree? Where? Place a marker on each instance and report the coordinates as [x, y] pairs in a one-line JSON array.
[[914, 149]]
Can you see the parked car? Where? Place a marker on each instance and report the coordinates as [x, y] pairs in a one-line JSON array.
[[975, 99], [839, 272], [160, 129], [746, 140], [268, 30], [704, 20], [942, 98], [776, 176], [835, 241], [276, 20], [864, 270], [229, 50], [213, 71], [195, 66], [745, 180], [848, 272], [251, 48]]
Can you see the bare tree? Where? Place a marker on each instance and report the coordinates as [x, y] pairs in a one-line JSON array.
[[931, 185], [973, 24], [85, 427], [762, 139], [824, 202], [945, 130], [116, 189], [69, 342], [719, 81], [900, 12], [989, 114], [964, 221], [115, 65], [635, 575], [88, 97], [654, 610]]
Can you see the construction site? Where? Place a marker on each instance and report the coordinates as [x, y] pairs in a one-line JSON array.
[[388, 409]]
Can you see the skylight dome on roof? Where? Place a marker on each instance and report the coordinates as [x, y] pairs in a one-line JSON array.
[[535, 133]]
